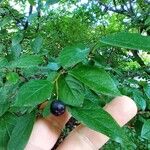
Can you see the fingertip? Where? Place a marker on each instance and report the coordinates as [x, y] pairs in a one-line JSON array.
[[41, 136], [127, 104], [46, 132], [122, 108]]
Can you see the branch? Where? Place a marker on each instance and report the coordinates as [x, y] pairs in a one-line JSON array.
[[125, 4], [115, 10], [114, 2], [140, 61], [146, 1], [131, 7], [39, 6], [38, 24], [30, 12]]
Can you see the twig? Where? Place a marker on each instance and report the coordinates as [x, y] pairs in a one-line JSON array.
[[30, 12]]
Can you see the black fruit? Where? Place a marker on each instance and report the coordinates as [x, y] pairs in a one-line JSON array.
[[57, 107]]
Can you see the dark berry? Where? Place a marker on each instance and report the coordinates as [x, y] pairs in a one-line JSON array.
[[57, 107]]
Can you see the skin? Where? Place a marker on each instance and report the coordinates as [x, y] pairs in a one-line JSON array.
[[46, 131]]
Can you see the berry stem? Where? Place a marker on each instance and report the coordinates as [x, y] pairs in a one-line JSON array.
[[57, 89], [57, 77], [56, 82]]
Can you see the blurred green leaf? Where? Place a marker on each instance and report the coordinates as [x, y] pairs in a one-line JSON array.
[[4, 104], [1, 47], [27, 61], [145, 133], [3, 62], [12, 77], [32, 2], [147, 21], [50, 2], [5, 21], [139, 100], [133, 41], [16, 49], [147, 90], [53, 66], [17, 38], [37, 44]]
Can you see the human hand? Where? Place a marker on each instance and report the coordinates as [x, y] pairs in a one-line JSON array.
[[46, 131]]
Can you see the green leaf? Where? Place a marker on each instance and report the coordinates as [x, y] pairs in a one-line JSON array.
[[70, 91], [145, 133], [16, 50], [27, 61], [72, 55], [53, 66], [30, 71], [3, 108], [93, 97], [17, 38], [5, 21], [138, 98], [147, 90], [133, 41], [32, 2], [51, 76], [33, 93], [95, 78], [3, 62], [1, 47], [4, 104], [21, 132], [46, 111], [37, 44], [12, 77], [99, 120], [147, 21], [7, 123], [50, 2], [21, 110]]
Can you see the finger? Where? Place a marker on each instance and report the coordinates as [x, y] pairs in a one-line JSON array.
[[46, 132], [122, 109]]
